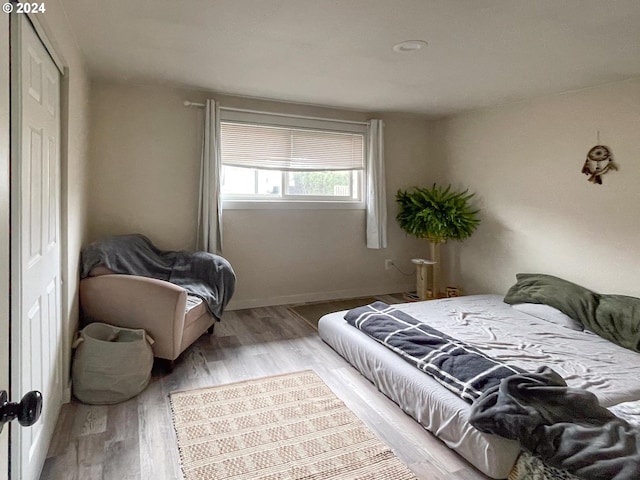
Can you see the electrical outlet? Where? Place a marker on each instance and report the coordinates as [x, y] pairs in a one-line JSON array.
[[388, 263]]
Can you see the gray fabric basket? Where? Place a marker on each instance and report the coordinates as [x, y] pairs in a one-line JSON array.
[[111, 364]]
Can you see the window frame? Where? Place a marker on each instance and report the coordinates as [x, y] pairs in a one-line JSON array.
[[290, 201]]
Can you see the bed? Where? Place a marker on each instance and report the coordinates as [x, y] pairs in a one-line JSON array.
[[486, 322]]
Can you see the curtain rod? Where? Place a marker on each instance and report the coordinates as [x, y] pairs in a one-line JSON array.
[[187, 103]]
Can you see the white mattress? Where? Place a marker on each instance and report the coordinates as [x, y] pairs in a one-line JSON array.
[[486, 322]]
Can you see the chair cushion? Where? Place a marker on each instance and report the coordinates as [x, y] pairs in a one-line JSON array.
[[195, 309]]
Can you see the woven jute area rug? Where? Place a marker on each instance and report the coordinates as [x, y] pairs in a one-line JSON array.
[[285, 427]]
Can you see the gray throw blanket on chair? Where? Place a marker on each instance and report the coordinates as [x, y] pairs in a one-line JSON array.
[[202, 274], [566, 427]]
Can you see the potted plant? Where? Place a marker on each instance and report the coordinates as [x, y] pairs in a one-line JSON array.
[[437, 214]]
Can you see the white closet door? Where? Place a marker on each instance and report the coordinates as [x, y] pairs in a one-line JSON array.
[[4, 232], [36, 318]]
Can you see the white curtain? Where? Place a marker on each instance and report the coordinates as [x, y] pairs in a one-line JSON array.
[[375, 181], [209, 236]]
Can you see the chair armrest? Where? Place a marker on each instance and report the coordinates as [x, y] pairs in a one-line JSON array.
[[131, 301]]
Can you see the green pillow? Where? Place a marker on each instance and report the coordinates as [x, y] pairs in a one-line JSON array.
[[618, 319], [571, 299], [613, 317]]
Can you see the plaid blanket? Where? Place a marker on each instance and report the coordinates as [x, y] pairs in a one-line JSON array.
[[463, 369]]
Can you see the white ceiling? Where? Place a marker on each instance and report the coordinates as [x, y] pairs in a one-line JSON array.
[[339, 52]]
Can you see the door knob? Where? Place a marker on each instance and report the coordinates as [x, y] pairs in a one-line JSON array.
[[27, 411]]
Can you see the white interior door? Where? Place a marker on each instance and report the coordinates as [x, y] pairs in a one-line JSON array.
[[35, 221], [4, 231]]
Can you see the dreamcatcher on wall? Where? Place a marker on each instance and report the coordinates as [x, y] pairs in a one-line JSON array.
[[599, 161]]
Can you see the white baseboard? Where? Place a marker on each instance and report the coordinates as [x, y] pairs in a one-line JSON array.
[[318, 296]]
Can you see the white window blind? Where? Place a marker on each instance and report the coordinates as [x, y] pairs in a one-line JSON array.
[[283, 148]]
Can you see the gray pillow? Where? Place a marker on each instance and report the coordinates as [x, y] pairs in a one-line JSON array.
[[549, 314]]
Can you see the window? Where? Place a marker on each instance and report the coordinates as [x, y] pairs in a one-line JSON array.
[[275, 158]]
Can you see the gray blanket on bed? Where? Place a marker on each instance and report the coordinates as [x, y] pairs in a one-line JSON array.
[[202, 274], [566, 427]]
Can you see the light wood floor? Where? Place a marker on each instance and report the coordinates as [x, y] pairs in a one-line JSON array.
[[135, 439]]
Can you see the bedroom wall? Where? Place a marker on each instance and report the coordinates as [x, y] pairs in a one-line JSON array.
[[539, 213], [145, 156]]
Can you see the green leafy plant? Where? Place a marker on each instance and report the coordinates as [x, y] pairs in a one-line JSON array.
[[437, 214]]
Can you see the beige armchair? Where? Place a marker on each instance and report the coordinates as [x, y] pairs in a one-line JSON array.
[[172, 317]]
